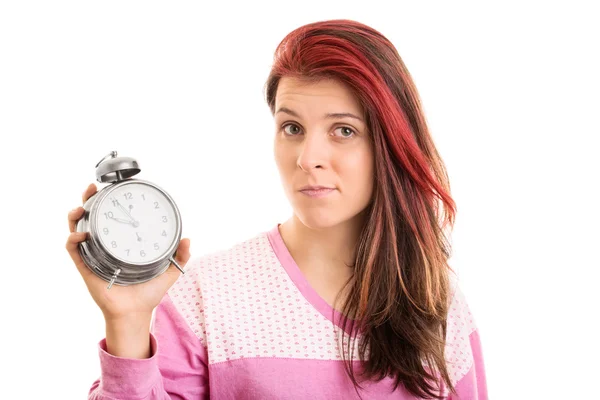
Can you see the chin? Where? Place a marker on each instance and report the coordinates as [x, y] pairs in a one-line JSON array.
[[317, 219], [320, 219], [324, 218]]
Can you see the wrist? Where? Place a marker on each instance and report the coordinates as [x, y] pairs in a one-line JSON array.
[[128, 319], [129, 336]]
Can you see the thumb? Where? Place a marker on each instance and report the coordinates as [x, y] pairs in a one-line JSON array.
[[182, 256]]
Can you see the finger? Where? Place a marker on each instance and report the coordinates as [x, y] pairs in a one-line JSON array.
[[74, 216], [182, 256], [72, 247], [89, 192]]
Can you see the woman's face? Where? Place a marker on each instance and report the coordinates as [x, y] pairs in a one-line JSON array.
[[322, 140]]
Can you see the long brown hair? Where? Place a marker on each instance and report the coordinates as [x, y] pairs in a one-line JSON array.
[[399, 293]]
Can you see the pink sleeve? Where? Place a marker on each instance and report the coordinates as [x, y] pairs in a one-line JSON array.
[[177, 368], [473, 385]]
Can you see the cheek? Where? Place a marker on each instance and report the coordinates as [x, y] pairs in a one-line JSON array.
[[284, 159], [357, 172], [278, 153]]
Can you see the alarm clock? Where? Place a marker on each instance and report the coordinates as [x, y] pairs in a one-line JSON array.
[[134, 225]]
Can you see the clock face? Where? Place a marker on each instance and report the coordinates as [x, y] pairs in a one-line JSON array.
[[137, 223]]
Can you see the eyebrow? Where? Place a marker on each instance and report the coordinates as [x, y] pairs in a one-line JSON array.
[[329, 115]]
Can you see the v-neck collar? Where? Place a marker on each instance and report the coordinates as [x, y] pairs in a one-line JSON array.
[[289, 264]]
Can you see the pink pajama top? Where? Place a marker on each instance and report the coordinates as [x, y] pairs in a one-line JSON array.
[[244, 323]]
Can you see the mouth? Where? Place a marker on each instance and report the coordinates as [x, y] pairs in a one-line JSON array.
[[317, 191], [316, 187]]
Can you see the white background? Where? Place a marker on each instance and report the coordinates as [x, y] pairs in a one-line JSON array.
[[510, 92]]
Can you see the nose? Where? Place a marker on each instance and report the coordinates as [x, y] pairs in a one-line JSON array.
[[313, 152]]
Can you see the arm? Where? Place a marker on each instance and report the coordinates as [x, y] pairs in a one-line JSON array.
[[473, 385], [176, 369]]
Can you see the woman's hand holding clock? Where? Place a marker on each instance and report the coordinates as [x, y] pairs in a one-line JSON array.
[[127, 309]]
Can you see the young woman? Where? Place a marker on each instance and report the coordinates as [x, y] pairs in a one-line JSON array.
[[352, 296]]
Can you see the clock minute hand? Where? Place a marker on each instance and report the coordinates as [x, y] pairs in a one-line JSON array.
[[126, 212]]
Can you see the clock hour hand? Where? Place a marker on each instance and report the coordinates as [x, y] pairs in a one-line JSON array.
[[121, 220]]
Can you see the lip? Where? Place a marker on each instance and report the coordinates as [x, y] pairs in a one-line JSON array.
[[316, 191], [316, 187]]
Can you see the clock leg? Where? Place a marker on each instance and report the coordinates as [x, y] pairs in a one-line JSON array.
[[114, 278], [177, 265]]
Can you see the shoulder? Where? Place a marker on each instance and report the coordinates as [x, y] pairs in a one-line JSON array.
[[460, 328], [211, 268], [459, 313], [213, 275]]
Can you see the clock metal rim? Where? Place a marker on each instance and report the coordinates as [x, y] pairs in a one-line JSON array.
[[104, 275]]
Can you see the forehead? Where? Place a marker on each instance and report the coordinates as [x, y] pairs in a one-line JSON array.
[[328, 93]]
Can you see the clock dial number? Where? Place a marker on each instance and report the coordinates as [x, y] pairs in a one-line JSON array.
[[138, 225]]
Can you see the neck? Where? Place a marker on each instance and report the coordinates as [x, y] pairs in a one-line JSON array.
[[328, 250]]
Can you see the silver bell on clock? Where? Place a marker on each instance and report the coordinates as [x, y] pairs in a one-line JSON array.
[[134, 226]]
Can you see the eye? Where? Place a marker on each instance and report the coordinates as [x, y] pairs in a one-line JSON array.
[[346, 132], [293, 131]]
